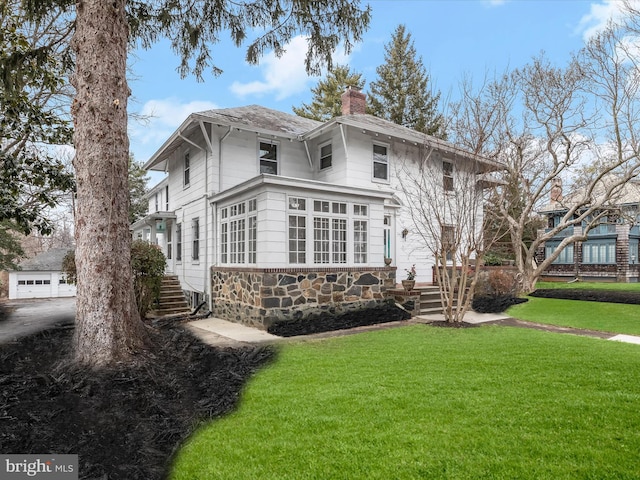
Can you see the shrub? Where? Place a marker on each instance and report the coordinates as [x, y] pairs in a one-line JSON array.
[[501, 282], [147, 263]]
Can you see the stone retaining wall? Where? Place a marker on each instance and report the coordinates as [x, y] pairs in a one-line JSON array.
[[262, 297]]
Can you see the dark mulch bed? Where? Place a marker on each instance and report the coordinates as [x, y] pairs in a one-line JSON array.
[[124, 423], [445, 324], [327, 323], [610, 296], [495, 303]]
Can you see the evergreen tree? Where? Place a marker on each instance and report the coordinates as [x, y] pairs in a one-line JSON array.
[[108, 327], [138, 178], [402, 94], [326, 103]]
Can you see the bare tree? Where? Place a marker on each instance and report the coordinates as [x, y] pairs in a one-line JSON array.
[[574, 123], [445, 201]]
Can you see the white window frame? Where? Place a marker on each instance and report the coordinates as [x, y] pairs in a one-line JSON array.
[[186, 169], [322, 157], [260, 158], [195, 240], [239, 233], [375, 161]]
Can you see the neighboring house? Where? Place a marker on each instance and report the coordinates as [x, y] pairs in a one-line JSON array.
[[610, 252], [41, 277], [269, 216]]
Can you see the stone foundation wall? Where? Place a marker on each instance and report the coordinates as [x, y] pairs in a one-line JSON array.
[[262, 297]]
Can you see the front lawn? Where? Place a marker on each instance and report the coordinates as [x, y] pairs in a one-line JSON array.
[[427, 402], [605, 317], [625, 287]]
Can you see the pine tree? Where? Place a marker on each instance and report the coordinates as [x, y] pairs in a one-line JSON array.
[[108, 327], [326, 102], [402, 93]]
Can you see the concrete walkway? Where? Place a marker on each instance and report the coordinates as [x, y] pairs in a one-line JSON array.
[[215, 331]]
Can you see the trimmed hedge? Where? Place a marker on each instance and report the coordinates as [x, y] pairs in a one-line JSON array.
[[609, 296]]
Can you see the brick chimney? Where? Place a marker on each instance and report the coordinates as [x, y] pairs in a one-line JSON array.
[[556, 190], [353, 102]]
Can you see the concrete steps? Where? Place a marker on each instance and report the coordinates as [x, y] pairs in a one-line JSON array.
[[172, 300]]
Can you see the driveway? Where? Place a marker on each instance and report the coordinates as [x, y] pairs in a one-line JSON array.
[[25, 317]]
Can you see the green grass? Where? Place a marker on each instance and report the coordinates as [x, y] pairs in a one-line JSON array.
[[424, 402], [605, 317], [625, 287]]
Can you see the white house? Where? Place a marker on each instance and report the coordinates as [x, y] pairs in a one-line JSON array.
[[41, 277], [269, 216]]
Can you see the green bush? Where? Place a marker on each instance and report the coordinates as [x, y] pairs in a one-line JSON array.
[[147, 263]]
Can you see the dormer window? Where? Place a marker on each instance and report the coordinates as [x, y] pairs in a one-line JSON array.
[[268, 158]]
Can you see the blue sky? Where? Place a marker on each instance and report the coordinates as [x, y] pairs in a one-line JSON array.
[[454, 38]]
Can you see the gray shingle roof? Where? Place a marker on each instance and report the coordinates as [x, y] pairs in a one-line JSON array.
[[46, 261], [256, 116]]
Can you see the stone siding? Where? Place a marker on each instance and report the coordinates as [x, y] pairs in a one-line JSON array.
[[262, 297]]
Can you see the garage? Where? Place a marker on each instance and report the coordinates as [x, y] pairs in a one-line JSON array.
[[41, 277]]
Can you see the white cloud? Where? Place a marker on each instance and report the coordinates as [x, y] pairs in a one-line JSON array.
[[598, 16], [163, 117], [494, 3], [284, 76]]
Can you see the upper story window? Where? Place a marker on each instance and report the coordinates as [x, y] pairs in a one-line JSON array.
[[187, 167], [447, 176], [326, 155], [166, 198], [268, 158], [157, 199], [380, 162]]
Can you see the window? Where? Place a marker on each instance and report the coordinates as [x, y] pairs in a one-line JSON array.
[[253, 239], [62, 281], [565, 257], [187, 167], [297, 239], [360, 210], [239, 233], [599, 252], [320, 206], [387, 236], [325, 156], [447, 176], [195, 227], [224, 243], [339, 237], [360, 241], [157, 202], [633, 251], [169, 243], [179, 242], [330, 235], [448, 240], [297, 203], [380, 162], [268, 158], [166, 198], [320, 240]]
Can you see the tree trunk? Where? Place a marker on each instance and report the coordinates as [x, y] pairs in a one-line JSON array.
[[108, 327]]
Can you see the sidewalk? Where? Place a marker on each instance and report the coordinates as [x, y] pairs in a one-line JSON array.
[[215, 331]]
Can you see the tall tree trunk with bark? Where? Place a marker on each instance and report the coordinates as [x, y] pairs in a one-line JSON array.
[[108, 327]]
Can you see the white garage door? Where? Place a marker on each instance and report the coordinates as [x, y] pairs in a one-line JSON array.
[[34, 285]]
